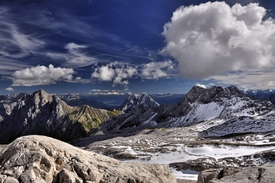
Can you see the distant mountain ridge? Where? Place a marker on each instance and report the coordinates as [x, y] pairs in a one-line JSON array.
[[45, 114], [78, 100], [262, 94]]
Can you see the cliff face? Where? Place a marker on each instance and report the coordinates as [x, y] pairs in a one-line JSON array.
[[45, 114]]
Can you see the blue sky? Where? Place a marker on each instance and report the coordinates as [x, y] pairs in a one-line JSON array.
[[117, 46]]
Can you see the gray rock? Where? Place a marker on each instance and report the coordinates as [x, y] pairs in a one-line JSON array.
[[7, 179], [262, 174], [210, 174], [42, 159]]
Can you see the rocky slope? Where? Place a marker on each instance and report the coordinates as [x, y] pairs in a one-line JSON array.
[[42, 113], [135, 100], [200, 105], [43, 159], [230, 106]]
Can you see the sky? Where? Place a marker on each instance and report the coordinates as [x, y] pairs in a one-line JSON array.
[[130, 46]]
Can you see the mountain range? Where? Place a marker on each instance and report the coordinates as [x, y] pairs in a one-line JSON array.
[[215, 127], [234, 110], [46, 114]]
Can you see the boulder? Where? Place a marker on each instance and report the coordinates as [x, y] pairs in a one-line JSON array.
[[43, 159]]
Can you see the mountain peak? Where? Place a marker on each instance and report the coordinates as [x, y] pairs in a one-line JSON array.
[[40, 92], [203, 95], [41, 97], [137, 99]]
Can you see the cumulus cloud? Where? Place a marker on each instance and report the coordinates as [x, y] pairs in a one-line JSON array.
[[41, 75], [10, 89], [213, 38], [156, 70], [120, 73], [117, 72]]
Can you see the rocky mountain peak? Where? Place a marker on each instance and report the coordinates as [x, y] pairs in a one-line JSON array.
[[41, 98], [217, 102], [215, 93], [137, 99]]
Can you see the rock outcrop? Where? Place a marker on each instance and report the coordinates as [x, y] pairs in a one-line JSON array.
[[262, 174], [43, 159]]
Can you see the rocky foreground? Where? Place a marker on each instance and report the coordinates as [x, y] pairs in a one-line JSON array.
[[261, 174], [42, 159]]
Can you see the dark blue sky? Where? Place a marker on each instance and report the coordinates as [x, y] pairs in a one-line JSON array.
[[69, 46]]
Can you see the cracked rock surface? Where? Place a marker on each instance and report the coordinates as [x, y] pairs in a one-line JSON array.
[[42, 159]]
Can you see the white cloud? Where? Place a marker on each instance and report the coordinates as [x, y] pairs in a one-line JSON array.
[[41, 75], [107, 92], [9, 89], [156, 70], [117, 72], [10, 66], [120, 73], [76, 58], [253, 79], [104, 73], [13, 39], [213, 38], [25, 42], [73, 46]]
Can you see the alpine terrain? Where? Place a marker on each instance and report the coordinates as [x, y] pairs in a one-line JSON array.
[[209, 134], [209, 128], [46, 114]]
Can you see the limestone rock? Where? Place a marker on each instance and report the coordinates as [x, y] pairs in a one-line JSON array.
[[261, 174], [210, 174], [43, 159]]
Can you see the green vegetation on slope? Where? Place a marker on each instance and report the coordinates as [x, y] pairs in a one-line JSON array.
[[90, 117]]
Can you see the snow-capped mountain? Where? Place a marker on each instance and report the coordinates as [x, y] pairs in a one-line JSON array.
[[200, 106], [137, 99], [42, 113], [225, 103]]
